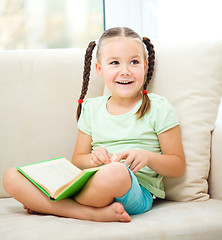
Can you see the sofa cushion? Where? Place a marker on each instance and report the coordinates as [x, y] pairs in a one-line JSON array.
[[190, 77], [166, 220]]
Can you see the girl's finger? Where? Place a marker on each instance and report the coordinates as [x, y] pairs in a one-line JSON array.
[[129, 160], [96, 161], [100, 156], [121, 156], [134, 163], [107, 156], [136, 168], [103, 156]]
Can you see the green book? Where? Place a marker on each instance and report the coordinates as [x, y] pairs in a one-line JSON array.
[[58, 178]]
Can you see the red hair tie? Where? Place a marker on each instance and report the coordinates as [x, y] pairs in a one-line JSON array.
[[80, 101], [144, 92]]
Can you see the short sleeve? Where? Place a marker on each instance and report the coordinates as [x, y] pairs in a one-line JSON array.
[[163, 115], [84, 123]]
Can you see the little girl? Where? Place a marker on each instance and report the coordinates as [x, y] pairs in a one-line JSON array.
[[141, 127]]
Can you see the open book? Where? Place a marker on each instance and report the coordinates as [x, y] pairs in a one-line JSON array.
[[58, 178]]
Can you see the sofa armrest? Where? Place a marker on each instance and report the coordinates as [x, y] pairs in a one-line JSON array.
[[215, 179]]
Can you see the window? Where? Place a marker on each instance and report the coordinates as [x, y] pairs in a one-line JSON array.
[[26, 24]]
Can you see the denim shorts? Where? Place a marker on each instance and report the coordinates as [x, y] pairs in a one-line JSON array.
[[138, 199]]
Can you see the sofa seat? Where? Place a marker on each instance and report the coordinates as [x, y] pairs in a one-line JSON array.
[[167, 220]]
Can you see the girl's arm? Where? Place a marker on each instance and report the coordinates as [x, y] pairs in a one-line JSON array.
[[82, 153], [170, 163], [83, 158]]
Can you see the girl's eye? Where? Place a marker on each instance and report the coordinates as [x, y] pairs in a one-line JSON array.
[[134, 62], [114, 63]]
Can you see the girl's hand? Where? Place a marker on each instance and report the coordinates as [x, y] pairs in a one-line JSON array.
[[137, 158], [100, 156]]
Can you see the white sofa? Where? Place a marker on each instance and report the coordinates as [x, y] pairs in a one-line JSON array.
[[38, 97]]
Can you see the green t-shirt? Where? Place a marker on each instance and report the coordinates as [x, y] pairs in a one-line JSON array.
[[118, 133]]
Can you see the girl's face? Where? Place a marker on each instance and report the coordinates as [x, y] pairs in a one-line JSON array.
[[122, 65]]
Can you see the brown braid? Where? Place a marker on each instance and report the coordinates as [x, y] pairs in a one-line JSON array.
[[86, 74], [151, 61]]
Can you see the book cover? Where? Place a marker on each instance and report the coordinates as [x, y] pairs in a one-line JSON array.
[[58, 178]]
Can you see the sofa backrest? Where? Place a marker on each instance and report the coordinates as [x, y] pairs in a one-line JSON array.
[[190, 76], [38, 99]]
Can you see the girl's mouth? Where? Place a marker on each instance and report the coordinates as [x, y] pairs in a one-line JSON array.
[[124, 82]]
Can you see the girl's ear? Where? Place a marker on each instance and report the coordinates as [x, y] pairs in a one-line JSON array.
[[99, 70]]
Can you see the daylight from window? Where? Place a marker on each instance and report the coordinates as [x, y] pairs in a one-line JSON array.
[[26, 24]]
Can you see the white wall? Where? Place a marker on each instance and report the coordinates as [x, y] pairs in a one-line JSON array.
[[168, 20], [189, 20]]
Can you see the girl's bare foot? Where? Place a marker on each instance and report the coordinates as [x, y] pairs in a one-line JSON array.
[[112, 213], [29, 210]]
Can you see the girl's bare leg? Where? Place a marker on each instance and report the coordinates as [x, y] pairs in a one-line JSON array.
[[30, 196], [112, 181]]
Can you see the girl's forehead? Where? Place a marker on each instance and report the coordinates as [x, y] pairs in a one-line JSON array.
[[121, 44]]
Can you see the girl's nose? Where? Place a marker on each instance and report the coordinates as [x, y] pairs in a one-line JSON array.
[[124, 71]]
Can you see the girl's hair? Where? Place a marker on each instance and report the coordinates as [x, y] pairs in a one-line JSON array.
[[116, 32]]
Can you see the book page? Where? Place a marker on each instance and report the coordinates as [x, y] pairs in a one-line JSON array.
[[52, 174]]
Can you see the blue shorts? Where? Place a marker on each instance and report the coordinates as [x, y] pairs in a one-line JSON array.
[[138, 199]]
